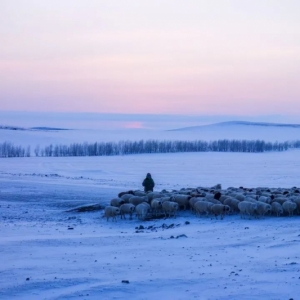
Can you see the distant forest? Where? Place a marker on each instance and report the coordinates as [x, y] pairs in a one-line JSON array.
[[7, 149]]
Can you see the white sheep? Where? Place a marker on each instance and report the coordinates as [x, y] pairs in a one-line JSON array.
[[277, 208], [217, 186], [251, 194], [165, 198], [170, 208], [127, 208], [182, 200], [117, 202], [136, 200], [154, 195], [126, 197], [219, 210], [223, 198], [111, 211], [263, 208], [212, 200], [139, 193], [280, 199], [185, 191], [125, 193], [209, 196], [266, 194], [193, 200], [238, 196], [289, 207], [264, 199], [142, 210], [247, 208], [203, 207], [156, 206], [297, 201], [250, 199], [233, 203]]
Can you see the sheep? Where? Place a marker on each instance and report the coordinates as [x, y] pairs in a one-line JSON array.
[[264, 199], [250, 194], [139, 193], [203, 207], [136, 200], [197, 194], [295, 191], [158, 196], [127, 208], [212, 200], [217, 186], [182, 200], [280, 199], [266, 194], [223, 198], [263, 208], [156, 206], [238, 196], [111, 211], [250, 199], [154, 195], [126, 197], [209, 196], [142, 210], [117, 202], [289, 207], [170, 208], [232, 203], [297, 201], [219, 209], [124, 193], [277, 208], [248, 208], [185, 191], [165, 198], [193, 200]]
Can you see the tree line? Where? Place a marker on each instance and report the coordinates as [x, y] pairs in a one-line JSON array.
[[146, 146], [155, 146], [8, 149]]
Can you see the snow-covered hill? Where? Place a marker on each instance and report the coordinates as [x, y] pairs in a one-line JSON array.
[[227, 130], [239, 123]]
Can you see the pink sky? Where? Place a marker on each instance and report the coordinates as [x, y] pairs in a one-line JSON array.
[[177, 57]]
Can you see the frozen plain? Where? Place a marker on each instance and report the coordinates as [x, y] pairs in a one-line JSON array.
[[228, 259]]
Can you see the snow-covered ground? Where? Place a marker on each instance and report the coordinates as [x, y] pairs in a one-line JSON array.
[[48, 252], [170, 171], [42, 258]]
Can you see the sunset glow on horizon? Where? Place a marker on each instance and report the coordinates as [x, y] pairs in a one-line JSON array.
[[156, 57]]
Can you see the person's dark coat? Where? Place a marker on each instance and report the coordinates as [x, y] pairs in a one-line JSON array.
[[148, 183]]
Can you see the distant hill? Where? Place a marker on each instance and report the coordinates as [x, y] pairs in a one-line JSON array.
[[47, 128], [32, 128], [237, 130], [239, 124], [11, 128]]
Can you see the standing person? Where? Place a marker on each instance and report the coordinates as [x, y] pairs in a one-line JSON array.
[[148, 183]]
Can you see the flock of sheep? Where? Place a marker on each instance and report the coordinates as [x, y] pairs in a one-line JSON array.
[[251, 202]]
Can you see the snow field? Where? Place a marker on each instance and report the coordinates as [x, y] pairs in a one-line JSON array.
[[82, 256]]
